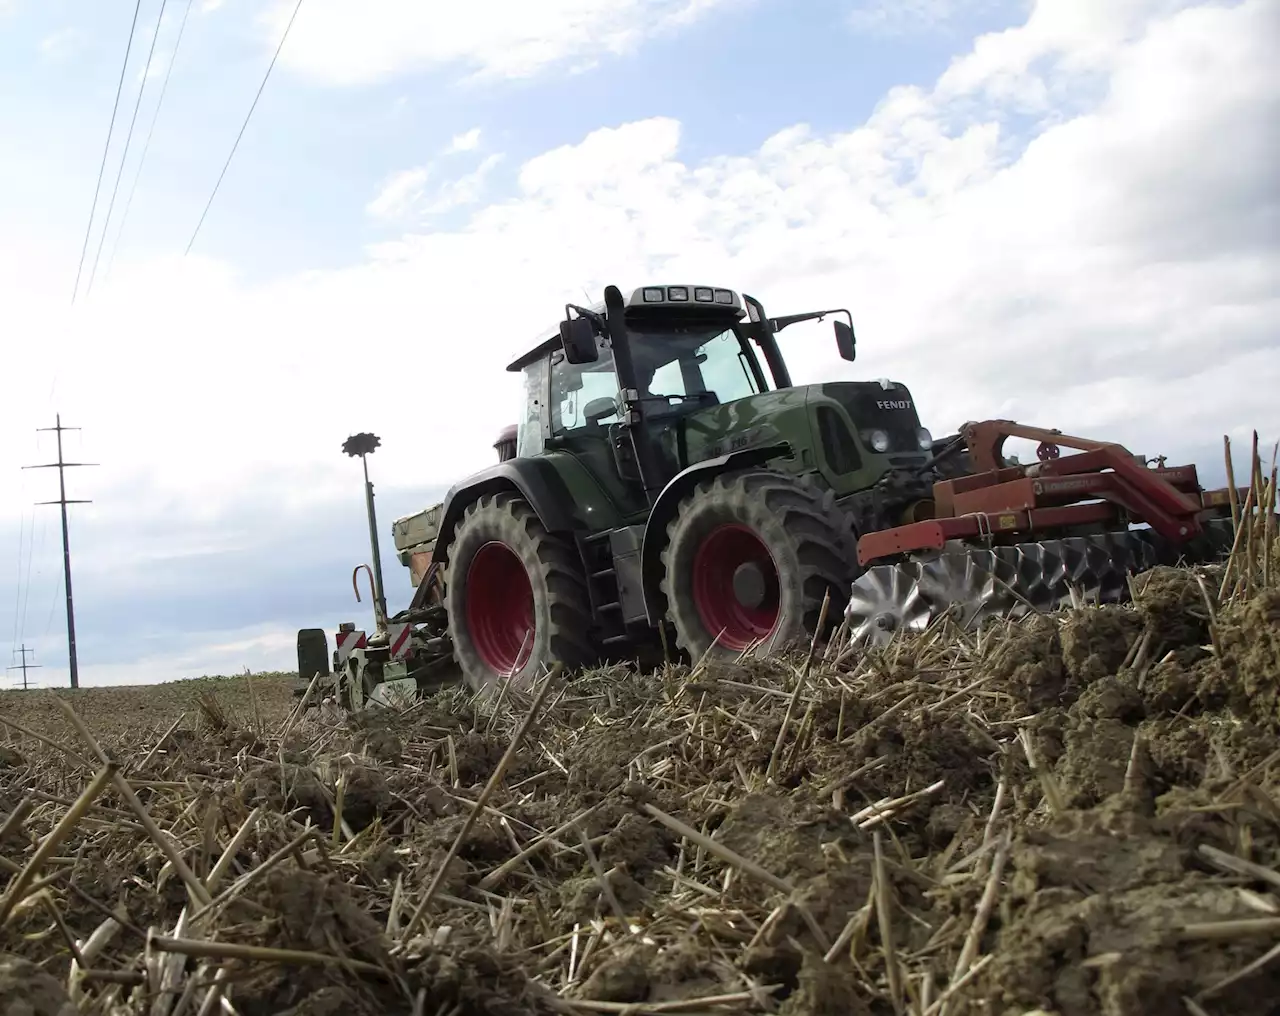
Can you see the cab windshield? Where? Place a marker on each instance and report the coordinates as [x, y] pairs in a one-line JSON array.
[[704, 366], [678, 369]]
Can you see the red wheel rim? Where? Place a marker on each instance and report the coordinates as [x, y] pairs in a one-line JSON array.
[[725, 549], [499, 601]]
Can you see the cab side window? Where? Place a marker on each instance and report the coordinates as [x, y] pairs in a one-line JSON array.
[[529, 429], [583, 395]]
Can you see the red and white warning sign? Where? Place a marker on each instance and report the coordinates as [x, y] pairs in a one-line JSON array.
[[398, 640], [347, 641]]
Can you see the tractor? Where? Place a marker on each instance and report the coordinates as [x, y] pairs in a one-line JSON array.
[[667, 488], [665, 478]]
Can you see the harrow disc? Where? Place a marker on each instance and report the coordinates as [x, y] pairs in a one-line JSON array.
[[887, 599]]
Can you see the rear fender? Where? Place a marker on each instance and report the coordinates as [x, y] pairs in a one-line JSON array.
[[668, 502], [536, 482]]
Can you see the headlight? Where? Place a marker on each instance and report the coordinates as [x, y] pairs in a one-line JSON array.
[[878, 440], [925, 438]]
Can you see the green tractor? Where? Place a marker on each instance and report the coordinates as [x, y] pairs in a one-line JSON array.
[[666, 478], [665, 472]]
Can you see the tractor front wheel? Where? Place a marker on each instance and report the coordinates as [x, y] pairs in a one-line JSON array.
[[749, 559], [515, 595]]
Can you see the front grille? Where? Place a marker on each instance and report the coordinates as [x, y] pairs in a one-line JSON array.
[[871, 406]]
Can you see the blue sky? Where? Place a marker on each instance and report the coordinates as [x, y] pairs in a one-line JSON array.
[[737, 75], [1057, 210]]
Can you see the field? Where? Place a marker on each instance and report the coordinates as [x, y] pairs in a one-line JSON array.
[[1076, 814]]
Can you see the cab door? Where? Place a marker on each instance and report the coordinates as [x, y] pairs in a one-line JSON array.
[[584, 422]]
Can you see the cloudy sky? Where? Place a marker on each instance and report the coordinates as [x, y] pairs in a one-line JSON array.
[[1062, 211]]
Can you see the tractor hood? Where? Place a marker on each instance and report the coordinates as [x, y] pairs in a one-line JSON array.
[[745, 423], [880, 406], [882, 414]]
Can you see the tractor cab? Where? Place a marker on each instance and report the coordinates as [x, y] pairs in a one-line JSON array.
[[668, 377]]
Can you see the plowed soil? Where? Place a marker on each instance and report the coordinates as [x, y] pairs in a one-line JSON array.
[[1075, 815]]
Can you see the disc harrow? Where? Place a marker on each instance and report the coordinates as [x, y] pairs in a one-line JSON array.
[[1006, 541], [974, 583]]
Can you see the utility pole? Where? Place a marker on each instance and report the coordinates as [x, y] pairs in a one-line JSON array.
[[66, 544], [24, 666]]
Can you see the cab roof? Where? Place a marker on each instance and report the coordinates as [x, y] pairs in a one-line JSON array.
[[676, 297]]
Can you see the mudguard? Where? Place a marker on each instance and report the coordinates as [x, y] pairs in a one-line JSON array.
[[535, 481], [667, 503]]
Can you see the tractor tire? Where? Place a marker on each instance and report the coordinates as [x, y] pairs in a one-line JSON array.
[[506, 576], [843, 524], [774, 521]]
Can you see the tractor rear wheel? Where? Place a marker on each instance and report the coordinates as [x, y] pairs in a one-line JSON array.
[[749, 557], [515, 595]]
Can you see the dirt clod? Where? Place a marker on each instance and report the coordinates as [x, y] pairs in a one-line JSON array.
[[26, 990]]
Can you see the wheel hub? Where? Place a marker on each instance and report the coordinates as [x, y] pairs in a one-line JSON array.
[[499, 606], [750, 587], [735, 586]]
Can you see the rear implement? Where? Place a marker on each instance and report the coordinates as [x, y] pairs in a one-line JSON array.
[[1007, 540]]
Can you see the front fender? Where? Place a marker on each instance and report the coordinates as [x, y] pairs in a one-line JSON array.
[[668, 502]]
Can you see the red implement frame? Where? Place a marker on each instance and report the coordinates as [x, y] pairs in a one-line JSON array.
[[1000, 500]]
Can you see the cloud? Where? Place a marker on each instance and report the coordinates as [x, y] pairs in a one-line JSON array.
[[397, 196], [1108, 266], [463, 191], [404, 196], [464, 142], [356, 44]]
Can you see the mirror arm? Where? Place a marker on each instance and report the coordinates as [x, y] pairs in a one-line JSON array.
[[780, 323], [584, 312]]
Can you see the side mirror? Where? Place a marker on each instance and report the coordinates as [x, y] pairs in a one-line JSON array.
[[579, 338], [845, 341]]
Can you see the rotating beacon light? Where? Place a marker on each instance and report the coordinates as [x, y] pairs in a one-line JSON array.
[[364, 445]]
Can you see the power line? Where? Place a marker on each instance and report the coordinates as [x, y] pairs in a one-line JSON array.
[[32, 551], [17, 589], [164, 87], [26, 591], [128, 138], [254, 106], [88, 229], [57, 588]]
